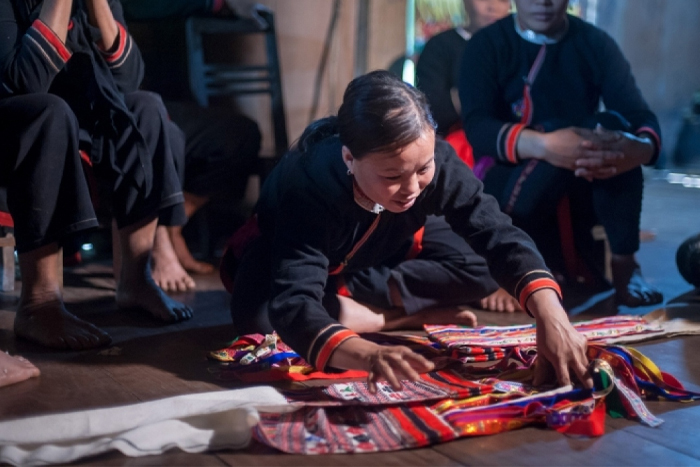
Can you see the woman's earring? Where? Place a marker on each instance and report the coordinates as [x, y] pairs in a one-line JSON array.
[[349, 172]]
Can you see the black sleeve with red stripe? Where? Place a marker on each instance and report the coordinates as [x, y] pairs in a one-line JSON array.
[[30, 57], [124, 58], [480, 94], [531, 283], [511, 255], [621, 94], [325, 343], [507, 141]]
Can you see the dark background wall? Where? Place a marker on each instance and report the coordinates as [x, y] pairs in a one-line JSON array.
[[661, 39]]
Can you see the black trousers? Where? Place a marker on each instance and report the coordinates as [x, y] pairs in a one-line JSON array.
[[47, 191], [139, 184], [221, 149], [530, 193], [446, 272]]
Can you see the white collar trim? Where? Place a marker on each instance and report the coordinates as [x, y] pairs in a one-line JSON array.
[[537, 38], [463, 32]]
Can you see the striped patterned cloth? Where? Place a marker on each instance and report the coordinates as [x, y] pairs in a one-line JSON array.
[[493, 339], [468, 398]]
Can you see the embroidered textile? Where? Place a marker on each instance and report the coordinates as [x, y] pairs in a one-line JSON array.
[[257, 358], [494, 339], [446, 405]]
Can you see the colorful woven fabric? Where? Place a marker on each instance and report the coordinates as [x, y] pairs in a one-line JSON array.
[[450, 404], [465, 397], [348, 419], [257, 358], [494, 339]]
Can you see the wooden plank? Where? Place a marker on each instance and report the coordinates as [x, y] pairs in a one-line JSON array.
[[62, 387], [262, 455], [532, 446], [171, 458]]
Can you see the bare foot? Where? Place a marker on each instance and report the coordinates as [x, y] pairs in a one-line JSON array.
[[145, 295], [631, 289], [449, 315], [183, 253], [500, 301], [167, 272], [358, 317], [49, 323], [15, 369]]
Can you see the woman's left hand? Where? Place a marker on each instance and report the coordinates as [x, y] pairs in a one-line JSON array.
[[635, 151]]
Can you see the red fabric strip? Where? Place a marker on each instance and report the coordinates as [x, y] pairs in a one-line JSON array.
[[458, 141], [6, 219], [444, 431], [417, 246], [343, 290], [419, 438]]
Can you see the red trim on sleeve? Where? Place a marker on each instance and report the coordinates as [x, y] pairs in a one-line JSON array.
[[654, 135], [511, 141], [51, 37], [534, 286], [331, 344], [117, 54]]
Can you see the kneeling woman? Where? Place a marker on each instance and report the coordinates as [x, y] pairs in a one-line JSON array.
[[325, 256]]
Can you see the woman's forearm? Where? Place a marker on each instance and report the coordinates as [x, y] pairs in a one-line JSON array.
[[101, 17], [531, 145], [56, 15]]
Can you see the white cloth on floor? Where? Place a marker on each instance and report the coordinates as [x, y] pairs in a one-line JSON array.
[[193, 423]]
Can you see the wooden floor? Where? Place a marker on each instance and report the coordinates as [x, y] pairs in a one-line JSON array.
[[153, 361]]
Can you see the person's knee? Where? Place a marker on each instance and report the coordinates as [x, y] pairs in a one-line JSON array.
[[55, 116], [145, 105]]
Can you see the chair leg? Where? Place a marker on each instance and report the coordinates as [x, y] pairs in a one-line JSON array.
[[7, 266], [60, 270], [599, 234]]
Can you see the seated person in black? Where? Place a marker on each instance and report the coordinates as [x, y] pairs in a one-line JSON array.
[[333, 248], [437, 75], [222, 145], [531, 88], [437, 70], [69, 84]]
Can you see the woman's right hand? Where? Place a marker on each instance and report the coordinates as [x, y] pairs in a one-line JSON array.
[[382, 363]]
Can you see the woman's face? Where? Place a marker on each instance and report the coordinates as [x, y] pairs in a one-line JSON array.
[[484, 12], [542, 16], [395, 180]]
